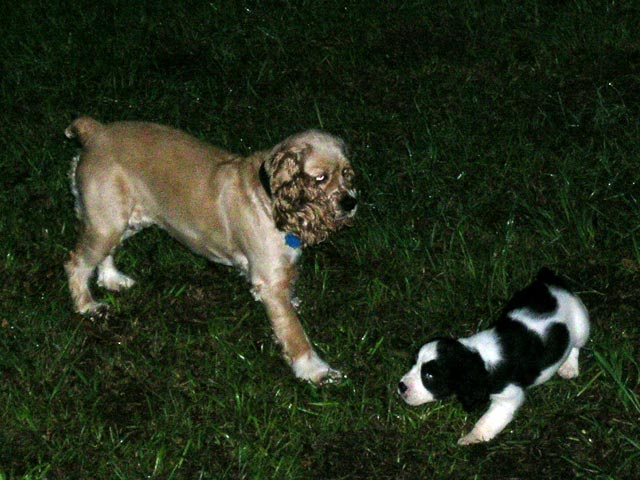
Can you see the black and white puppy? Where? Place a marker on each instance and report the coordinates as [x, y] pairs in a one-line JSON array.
[[538, 334]]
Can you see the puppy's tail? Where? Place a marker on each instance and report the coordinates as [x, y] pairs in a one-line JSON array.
[[83, 128], [546, 275]]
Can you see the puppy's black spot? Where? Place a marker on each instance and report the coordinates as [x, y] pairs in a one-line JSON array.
[[522, 352], [555, 345], [536, 298], [525, 353]]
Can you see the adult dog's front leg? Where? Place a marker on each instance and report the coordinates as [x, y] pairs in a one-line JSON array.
[[297, 349]]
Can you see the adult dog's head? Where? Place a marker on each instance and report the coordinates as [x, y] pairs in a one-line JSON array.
[[311, 185]]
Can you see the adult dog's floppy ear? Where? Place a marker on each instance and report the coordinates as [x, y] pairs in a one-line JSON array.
[[467, 374], [284, 163], [299, 205]]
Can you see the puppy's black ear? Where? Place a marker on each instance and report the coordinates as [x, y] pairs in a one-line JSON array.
[[468, 376], [473, 392]]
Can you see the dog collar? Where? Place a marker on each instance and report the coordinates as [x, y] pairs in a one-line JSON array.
[[264, 179], [292, 240]]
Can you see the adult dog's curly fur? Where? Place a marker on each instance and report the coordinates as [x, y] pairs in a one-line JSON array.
[[300, 205], [233, 210]]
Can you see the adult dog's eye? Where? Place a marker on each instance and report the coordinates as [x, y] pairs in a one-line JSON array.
[[321, 178]]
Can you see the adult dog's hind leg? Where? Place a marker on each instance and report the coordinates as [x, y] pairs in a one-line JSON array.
[[111, 278], [104, 207], [92, 249]]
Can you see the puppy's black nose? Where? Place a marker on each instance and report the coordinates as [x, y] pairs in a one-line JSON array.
[[402, 388], [348, 203]]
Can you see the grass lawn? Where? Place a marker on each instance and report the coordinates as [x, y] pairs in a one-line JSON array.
[[489, 137]]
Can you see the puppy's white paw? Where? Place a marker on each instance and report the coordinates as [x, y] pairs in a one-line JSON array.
[[470, 439], [312, 368], [568, 370]]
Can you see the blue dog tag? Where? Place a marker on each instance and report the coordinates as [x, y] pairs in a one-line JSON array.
[[293, 241]]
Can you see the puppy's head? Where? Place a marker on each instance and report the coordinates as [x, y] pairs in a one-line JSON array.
[[312, 188], [445, 367]]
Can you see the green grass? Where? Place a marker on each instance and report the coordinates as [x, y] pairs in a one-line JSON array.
[[490, 138]]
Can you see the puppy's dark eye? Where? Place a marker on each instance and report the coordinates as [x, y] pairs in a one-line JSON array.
[[346, 172], [427, 372], [321, 178]]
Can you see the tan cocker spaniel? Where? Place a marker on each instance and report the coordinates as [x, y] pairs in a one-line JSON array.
[[254, 213]]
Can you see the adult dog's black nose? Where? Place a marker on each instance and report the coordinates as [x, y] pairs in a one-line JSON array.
[[402, 388], [348, 203]]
